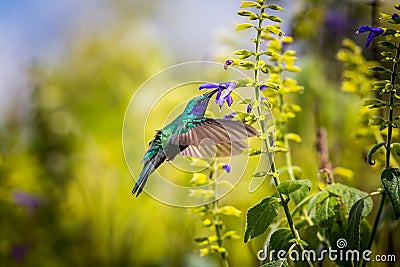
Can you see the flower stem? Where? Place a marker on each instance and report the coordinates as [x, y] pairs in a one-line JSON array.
[[284, 200], [216, 220], [387, 146]]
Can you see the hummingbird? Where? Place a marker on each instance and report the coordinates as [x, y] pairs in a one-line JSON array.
[[191, 134]]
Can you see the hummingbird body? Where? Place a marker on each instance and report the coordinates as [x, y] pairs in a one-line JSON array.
[[192, 134]]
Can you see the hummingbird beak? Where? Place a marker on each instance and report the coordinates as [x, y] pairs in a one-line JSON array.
[[210, 94]]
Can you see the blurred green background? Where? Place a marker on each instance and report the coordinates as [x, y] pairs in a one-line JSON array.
[[68, 71]]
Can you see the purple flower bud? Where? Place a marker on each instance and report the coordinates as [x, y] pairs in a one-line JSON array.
[[229, 116], [272, 143], [263, 87], [227, 64], [249, 108], [395, 16], [373, 32], [227, 168]]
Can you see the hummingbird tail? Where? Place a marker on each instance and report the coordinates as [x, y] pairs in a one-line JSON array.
[[140, 183], [149, 167]]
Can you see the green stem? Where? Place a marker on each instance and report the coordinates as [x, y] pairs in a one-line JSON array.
[[387, 147], [284, 201], [282, 128], [224, 257], [217, 222]]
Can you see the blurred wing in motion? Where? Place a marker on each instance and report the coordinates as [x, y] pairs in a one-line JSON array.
[[215, 137]]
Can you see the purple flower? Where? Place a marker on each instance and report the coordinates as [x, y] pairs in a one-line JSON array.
[[263, 87], [373, 32], [395, 16], [336, 22], [249, 108], [29, 201], [229, 116], [224, 92], [227, 168], [228, 63], [19, 251]]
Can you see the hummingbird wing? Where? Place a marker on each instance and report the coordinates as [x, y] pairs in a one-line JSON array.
[[208, 137]]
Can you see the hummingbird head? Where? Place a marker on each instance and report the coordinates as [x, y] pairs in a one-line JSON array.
[[197, 106]]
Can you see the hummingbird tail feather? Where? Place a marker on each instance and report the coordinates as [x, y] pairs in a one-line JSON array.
[[149, 167], [140, 183]]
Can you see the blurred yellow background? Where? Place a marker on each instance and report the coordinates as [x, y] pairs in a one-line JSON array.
[[69, 71]]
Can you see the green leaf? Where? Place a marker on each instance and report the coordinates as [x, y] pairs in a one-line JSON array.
[[389, 32], [293, 68], [272, 18], [391, 182], [272, 85], [309, 234], [365, 232], [372, 152], [396, 148], [299, 241], [246, 82], [327, 209], [243, 26], [253, 152], [278, 263], [259, 217], [230, 235], [246, 117], [250, 4], [387, 44], [317, 199], [380, 86], [274, 30], [244, 53], [377, 121], [204, 252], [260, 174], [230, 211], [275, 7], [388, 54], [301, 203], [353, 226], [374, 103], [288, 187], [280, 240], [246, 65], [199, 179], [380, 69], [200, 239], [293, 137], [349, 195], [247, 13]]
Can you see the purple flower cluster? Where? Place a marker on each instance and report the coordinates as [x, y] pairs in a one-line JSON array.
[[224, 91]]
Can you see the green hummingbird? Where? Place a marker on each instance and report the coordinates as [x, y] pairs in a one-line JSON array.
[[191, 134]]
